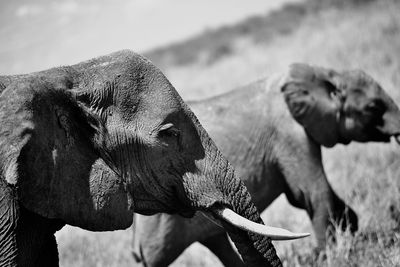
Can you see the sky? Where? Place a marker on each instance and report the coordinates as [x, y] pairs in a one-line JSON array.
[[40, 34]]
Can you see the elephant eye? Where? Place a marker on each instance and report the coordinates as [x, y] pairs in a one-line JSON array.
[[331, 88], [337, 95], [334, 94], [169, 130], [375, 107]]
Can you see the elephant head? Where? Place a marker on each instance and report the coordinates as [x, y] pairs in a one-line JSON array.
[[92, 143], [340, 107]]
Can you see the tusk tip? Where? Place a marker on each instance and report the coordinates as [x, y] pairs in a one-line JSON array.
[[289, 236], [301, 235]]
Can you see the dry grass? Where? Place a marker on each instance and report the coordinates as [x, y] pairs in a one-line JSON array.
[[366, 176]]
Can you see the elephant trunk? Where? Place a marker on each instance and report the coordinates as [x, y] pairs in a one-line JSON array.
[[390, 119], [391, 126], [227, 191], [256, 250], [391, 122], [213, 188]]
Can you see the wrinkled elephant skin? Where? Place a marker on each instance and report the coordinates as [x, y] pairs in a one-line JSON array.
[[89, 144]]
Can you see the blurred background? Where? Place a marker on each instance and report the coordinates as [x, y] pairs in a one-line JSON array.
[[45, 33], [209, 47]]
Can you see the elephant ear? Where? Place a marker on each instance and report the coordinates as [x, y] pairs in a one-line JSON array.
[[39, 131], [314, 101], [47, 151]]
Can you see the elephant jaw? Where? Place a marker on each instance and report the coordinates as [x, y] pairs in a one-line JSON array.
[[242, 223]]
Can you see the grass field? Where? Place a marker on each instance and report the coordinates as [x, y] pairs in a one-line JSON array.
[[365, 35]]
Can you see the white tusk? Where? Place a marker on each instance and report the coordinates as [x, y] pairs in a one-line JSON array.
[[274, 233]]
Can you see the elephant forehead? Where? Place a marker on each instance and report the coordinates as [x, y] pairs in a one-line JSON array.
[[160, 102], [144, 93], [358, 79], [150, 111]]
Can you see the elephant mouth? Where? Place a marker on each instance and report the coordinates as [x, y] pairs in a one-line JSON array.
[[381, 134], [387, 138], [383, 138], [376, 135]]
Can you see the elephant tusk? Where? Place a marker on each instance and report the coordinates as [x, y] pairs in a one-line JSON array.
[[274, 233]]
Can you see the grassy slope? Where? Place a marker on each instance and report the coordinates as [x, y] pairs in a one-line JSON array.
[[366, 176]]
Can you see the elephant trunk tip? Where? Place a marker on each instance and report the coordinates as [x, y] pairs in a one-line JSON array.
[[397, 138]]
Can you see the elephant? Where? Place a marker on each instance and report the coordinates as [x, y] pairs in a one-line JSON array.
[[90, 144], [272, 131]]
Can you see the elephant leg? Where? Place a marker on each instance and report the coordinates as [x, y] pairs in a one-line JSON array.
[[307, 187], [159, 239], [325, 209], [154, 255], [9, 217], [344, 215], [48, 255], [318, 210], [36, 241], [23, 234], [221, 247], [328, 212]]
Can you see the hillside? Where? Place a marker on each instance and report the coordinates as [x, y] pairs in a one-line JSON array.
[[212, 45], [339, 34]]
